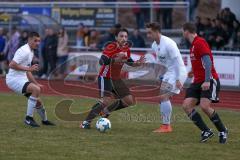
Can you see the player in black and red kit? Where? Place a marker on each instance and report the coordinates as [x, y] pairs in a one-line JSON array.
[[114, 94], [205, 87]]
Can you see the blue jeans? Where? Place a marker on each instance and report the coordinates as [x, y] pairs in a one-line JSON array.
[[62, 63]]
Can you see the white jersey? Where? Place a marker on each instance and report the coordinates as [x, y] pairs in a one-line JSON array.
[[23, 57], [166, 51]]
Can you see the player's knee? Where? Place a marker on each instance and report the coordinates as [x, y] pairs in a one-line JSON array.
[[37, 89], [106, 101], [131, 101], [187, 107], [204, 106], [128, 101], [164, 98]]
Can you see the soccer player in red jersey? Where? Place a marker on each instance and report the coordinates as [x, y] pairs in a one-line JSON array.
[[114, 94], [205, 87]]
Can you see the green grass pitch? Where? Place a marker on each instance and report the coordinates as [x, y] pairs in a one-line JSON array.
[[131, 136]]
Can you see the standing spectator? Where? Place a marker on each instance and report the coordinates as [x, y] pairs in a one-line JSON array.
[[236, 42], [93, 39], [110, 36], [80, 34], [23, 38], [43, 72], [139, 14], [137, 39], [50, 51], [13, 44], [62, 50], [193, 8], [2, 54], [86, 36], [166, 15]]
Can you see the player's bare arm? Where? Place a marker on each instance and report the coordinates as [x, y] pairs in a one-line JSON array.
[[16, 66], [33, 80]]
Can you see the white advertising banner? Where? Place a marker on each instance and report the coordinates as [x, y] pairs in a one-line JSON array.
[[226, 66], [228, 70]]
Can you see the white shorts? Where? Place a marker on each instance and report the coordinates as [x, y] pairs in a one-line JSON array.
[[169, 83], [16, 84]]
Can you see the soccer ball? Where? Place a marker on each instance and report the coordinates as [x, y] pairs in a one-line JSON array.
[[103, 124]]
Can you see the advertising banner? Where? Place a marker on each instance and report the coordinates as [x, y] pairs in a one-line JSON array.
[[92, 17]]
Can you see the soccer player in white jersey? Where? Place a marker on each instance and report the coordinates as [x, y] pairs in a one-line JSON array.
[[20, 80], [168, 55]]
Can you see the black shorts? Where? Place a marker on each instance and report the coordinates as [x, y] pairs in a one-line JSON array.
[[109, 87], [195, 91], [24, 90]]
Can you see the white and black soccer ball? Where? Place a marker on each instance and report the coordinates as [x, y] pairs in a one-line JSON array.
[[103, 125]]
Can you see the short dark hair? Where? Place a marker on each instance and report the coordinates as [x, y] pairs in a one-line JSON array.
[[190, 27], [121, 30], [154, 26], [33, 34]]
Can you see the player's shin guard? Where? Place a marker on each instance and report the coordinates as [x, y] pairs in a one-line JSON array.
[[96, 109], [32, 101], [197, 120], [166, 111], [217, 122]]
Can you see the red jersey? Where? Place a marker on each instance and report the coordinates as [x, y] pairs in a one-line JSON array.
[[113, 70], [198, 49]]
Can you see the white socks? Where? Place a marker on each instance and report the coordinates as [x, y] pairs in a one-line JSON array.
[[42, 113], [32, 101], [166, 111]]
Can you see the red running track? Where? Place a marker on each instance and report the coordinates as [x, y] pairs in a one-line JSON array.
[[228, 99]]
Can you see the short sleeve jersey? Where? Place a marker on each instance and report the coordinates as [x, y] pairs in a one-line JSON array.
[[23, 57]]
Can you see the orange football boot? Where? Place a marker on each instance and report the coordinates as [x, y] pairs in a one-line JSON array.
[[164, 128]]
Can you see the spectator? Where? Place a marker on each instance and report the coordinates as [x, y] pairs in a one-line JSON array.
[[222, 36], [166, 15], [207, 26], [229, 18], [236, 42], [139, 14], [2, 41], [212, 33], [62, 51], [23, 38], [86, 36], [109, 37], [13, 44], [93, 39], [192, 8], [137, 39], [199, 25], [2, 54], [43, 72], [80, 34], [50, 51]]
